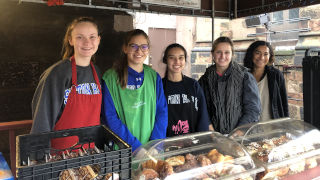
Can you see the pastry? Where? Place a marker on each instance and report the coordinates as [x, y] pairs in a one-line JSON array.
[[87, 173], [203, 160], [67, 174], [282, 171], [311, 163], [165, 170], [148, 174], [150, 164], [297, 167], [213, 152], [214, 156], [190, 163], [228, 159], [176, 160]]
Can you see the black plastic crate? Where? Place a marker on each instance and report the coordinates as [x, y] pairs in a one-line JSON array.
[[36, 146]]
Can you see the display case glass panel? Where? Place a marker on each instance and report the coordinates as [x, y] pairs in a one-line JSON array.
[[284, 147], [205, 155]]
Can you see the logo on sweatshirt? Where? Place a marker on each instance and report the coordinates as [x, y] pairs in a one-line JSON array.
[[181, 127], [85, 88], [138, 104], [182, 99]]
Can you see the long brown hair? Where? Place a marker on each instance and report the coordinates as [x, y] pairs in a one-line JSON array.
[[67, 49], [121, 66]]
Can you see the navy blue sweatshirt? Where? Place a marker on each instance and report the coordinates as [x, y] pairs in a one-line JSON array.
[[187, 109]]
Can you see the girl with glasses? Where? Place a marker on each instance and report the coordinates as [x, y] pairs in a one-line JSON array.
[[187, 109], [69, 92], [231, 92], [272, 88], [135, 107]]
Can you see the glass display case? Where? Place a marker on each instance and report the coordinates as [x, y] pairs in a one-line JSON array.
[[285, 148], [205, 155]]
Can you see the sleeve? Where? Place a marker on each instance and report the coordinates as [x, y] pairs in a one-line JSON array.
[[251, 101], [161, 121], [283, 94], [111, 119], [205, 89], [203, 117], [47, 102]]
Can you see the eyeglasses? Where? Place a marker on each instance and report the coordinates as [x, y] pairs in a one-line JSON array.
[[135, 47]]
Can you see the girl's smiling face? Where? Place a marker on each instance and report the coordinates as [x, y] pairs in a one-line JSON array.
[[85, 40], [222, 55], [176, 60], [261, 56], [136, 50]]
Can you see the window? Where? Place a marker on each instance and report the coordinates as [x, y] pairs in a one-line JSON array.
[[277, 16], [293, 13]]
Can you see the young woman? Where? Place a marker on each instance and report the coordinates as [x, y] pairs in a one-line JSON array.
[[135, 107], [231, 92], [187, 109], [69, 92], [273, 95]]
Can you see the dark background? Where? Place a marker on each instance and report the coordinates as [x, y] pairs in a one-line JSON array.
[[31, 37]]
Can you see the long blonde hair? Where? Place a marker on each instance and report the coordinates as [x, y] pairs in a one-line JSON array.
[[67, 49], [121, 66]]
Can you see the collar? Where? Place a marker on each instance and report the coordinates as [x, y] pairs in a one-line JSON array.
[[227, 72], [134, 73]]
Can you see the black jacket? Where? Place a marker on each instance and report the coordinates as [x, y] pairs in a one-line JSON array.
[[277, 93]]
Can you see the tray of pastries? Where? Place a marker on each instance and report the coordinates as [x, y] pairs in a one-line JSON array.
[[283, 147], [206, 155]]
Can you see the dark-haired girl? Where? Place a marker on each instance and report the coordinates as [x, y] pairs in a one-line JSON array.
[[272, 88], [135, 107], [187, 109]]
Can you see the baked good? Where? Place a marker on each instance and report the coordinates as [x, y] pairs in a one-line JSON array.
[[228, 159], [87, 173], [190, 163], [148, 174], [311, 163], [213, 152], [203, 160], [176, 160], [214, 156], [67, 174], [150, 164], [165, 170], [297, 167], [282, 171]]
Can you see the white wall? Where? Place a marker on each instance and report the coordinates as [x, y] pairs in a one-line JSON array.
[[145, 21]]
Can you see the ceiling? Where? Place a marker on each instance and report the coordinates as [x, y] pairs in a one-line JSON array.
[[223, 8]]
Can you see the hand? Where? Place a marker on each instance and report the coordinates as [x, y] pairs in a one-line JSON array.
[[211, 127], [237, 133]]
